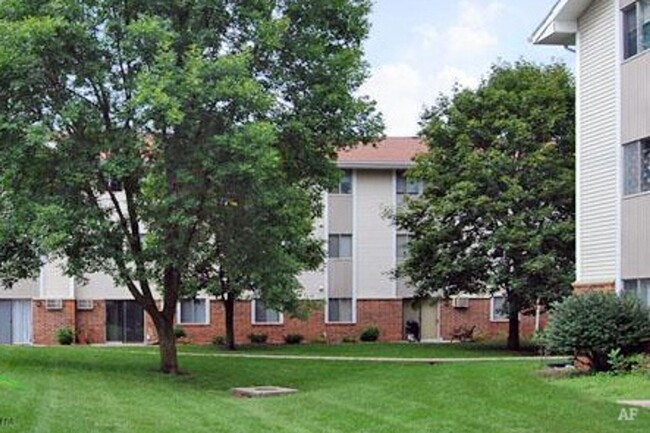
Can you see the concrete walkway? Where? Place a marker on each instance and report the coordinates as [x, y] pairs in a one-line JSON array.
[[370, 358]]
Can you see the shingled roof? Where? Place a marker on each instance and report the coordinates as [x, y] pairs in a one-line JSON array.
[[392, 152]]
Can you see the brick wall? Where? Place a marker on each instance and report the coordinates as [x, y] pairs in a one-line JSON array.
[[47, 322], [91, 324], [604, 286], [383, 313], [478, 314]]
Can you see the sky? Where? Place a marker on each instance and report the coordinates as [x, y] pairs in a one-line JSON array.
[[420, 48]]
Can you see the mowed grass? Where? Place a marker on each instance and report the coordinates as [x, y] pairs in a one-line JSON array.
[[86, 389]]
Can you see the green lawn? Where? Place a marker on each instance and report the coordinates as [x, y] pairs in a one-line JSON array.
[[86, 389]]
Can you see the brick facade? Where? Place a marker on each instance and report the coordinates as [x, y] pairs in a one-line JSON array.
[[91, 324], [478, 314], [46, 322], [602, 286]]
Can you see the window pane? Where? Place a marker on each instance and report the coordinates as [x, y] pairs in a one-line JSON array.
[[187, 311], [645, 24], [630, 32], [499, 308], [632, 168], [346, 182], [644, 292], [333, 246], [645, 165], [402, 246], [401, 183], [413, 187], [345, 246], [200, 307], [339, 310], [264, 314]]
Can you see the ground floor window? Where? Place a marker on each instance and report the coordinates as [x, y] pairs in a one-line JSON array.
[[498, 308], [263, 314], [639, 289], [193, 311], [340, 310]]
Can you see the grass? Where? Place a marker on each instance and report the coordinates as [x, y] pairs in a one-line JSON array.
[[86, 389]]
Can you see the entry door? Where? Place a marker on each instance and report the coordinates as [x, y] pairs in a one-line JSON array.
[[124, 322], [429, 314], [5, 322], [22, 322]]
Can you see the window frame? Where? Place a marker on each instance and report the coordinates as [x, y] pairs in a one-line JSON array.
[[398, 258], [254, 320], [638, 9], [633, 167], [353, 311], [346, 179], [494, 317], [637, 289], [403, 184], [338, 237], [179, 311]]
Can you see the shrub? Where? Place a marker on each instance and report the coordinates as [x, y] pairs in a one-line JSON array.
[[593, 324], [349, 339], [179, 332], [258, 338], [219, 340], [293, 338], [371, 333], [65, 336]]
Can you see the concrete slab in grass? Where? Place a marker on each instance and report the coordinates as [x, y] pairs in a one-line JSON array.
[[262, 391], [639, 403]]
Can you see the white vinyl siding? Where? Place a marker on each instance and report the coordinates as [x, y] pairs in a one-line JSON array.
[[597, 143]]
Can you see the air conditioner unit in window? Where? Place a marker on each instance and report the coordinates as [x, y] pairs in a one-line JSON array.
[[460, 302], [85, 304], [54, 304]]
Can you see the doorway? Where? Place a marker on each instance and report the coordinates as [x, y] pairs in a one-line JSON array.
[[426, 313], [15, 321], [124, 322]]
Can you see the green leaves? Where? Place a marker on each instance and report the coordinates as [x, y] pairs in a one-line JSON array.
[[497, 212]]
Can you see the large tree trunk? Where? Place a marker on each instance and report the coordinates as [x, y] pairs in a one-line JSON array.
[[513, 329], [229, 306], [167, 344]]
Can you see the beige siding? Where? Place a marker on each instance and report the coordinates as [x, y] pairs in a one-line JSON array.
[[375, 235], [635, 243], [339, 278], [339, 210], [597, 143], [313, 282], [56, 285], [101, 286], [20, 290], [404, 290], [635, 98]]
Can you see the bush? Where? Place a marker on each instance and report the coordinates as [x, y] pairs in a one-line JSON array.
[[179, 332], [65, 336], [293, 338], [258, 338], [219, 340], [371, 333], [594, 324]]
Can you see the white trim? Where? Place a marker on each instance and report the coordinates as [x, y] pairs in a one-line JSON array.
[[207, 312], [326, 235], [355, 243], [255, 322], [375, 165], [618, 26], [560, 24], [41, 280], [578, 153], [394, 186], [71, 287]]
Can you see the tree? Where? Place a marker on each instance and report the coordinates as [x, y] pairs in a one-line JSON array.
[[497, 213], [118, 119]]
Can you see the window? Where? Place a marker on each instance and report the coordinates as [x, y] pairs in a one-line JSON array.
[[339, 310], [498, 309], [263, 314], [640, 289], [345, 184], [636, 28], [193, 311], [339, 246], [408, 186], [402, 247], [636, 161]]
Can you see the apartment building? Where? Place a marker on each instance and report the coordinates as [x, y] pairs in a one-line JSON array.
[[612, 44], [353, 290]]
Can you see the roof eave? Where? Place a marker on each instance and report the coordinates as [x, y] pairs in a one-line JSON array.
[[376, 165], [561, 24]]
